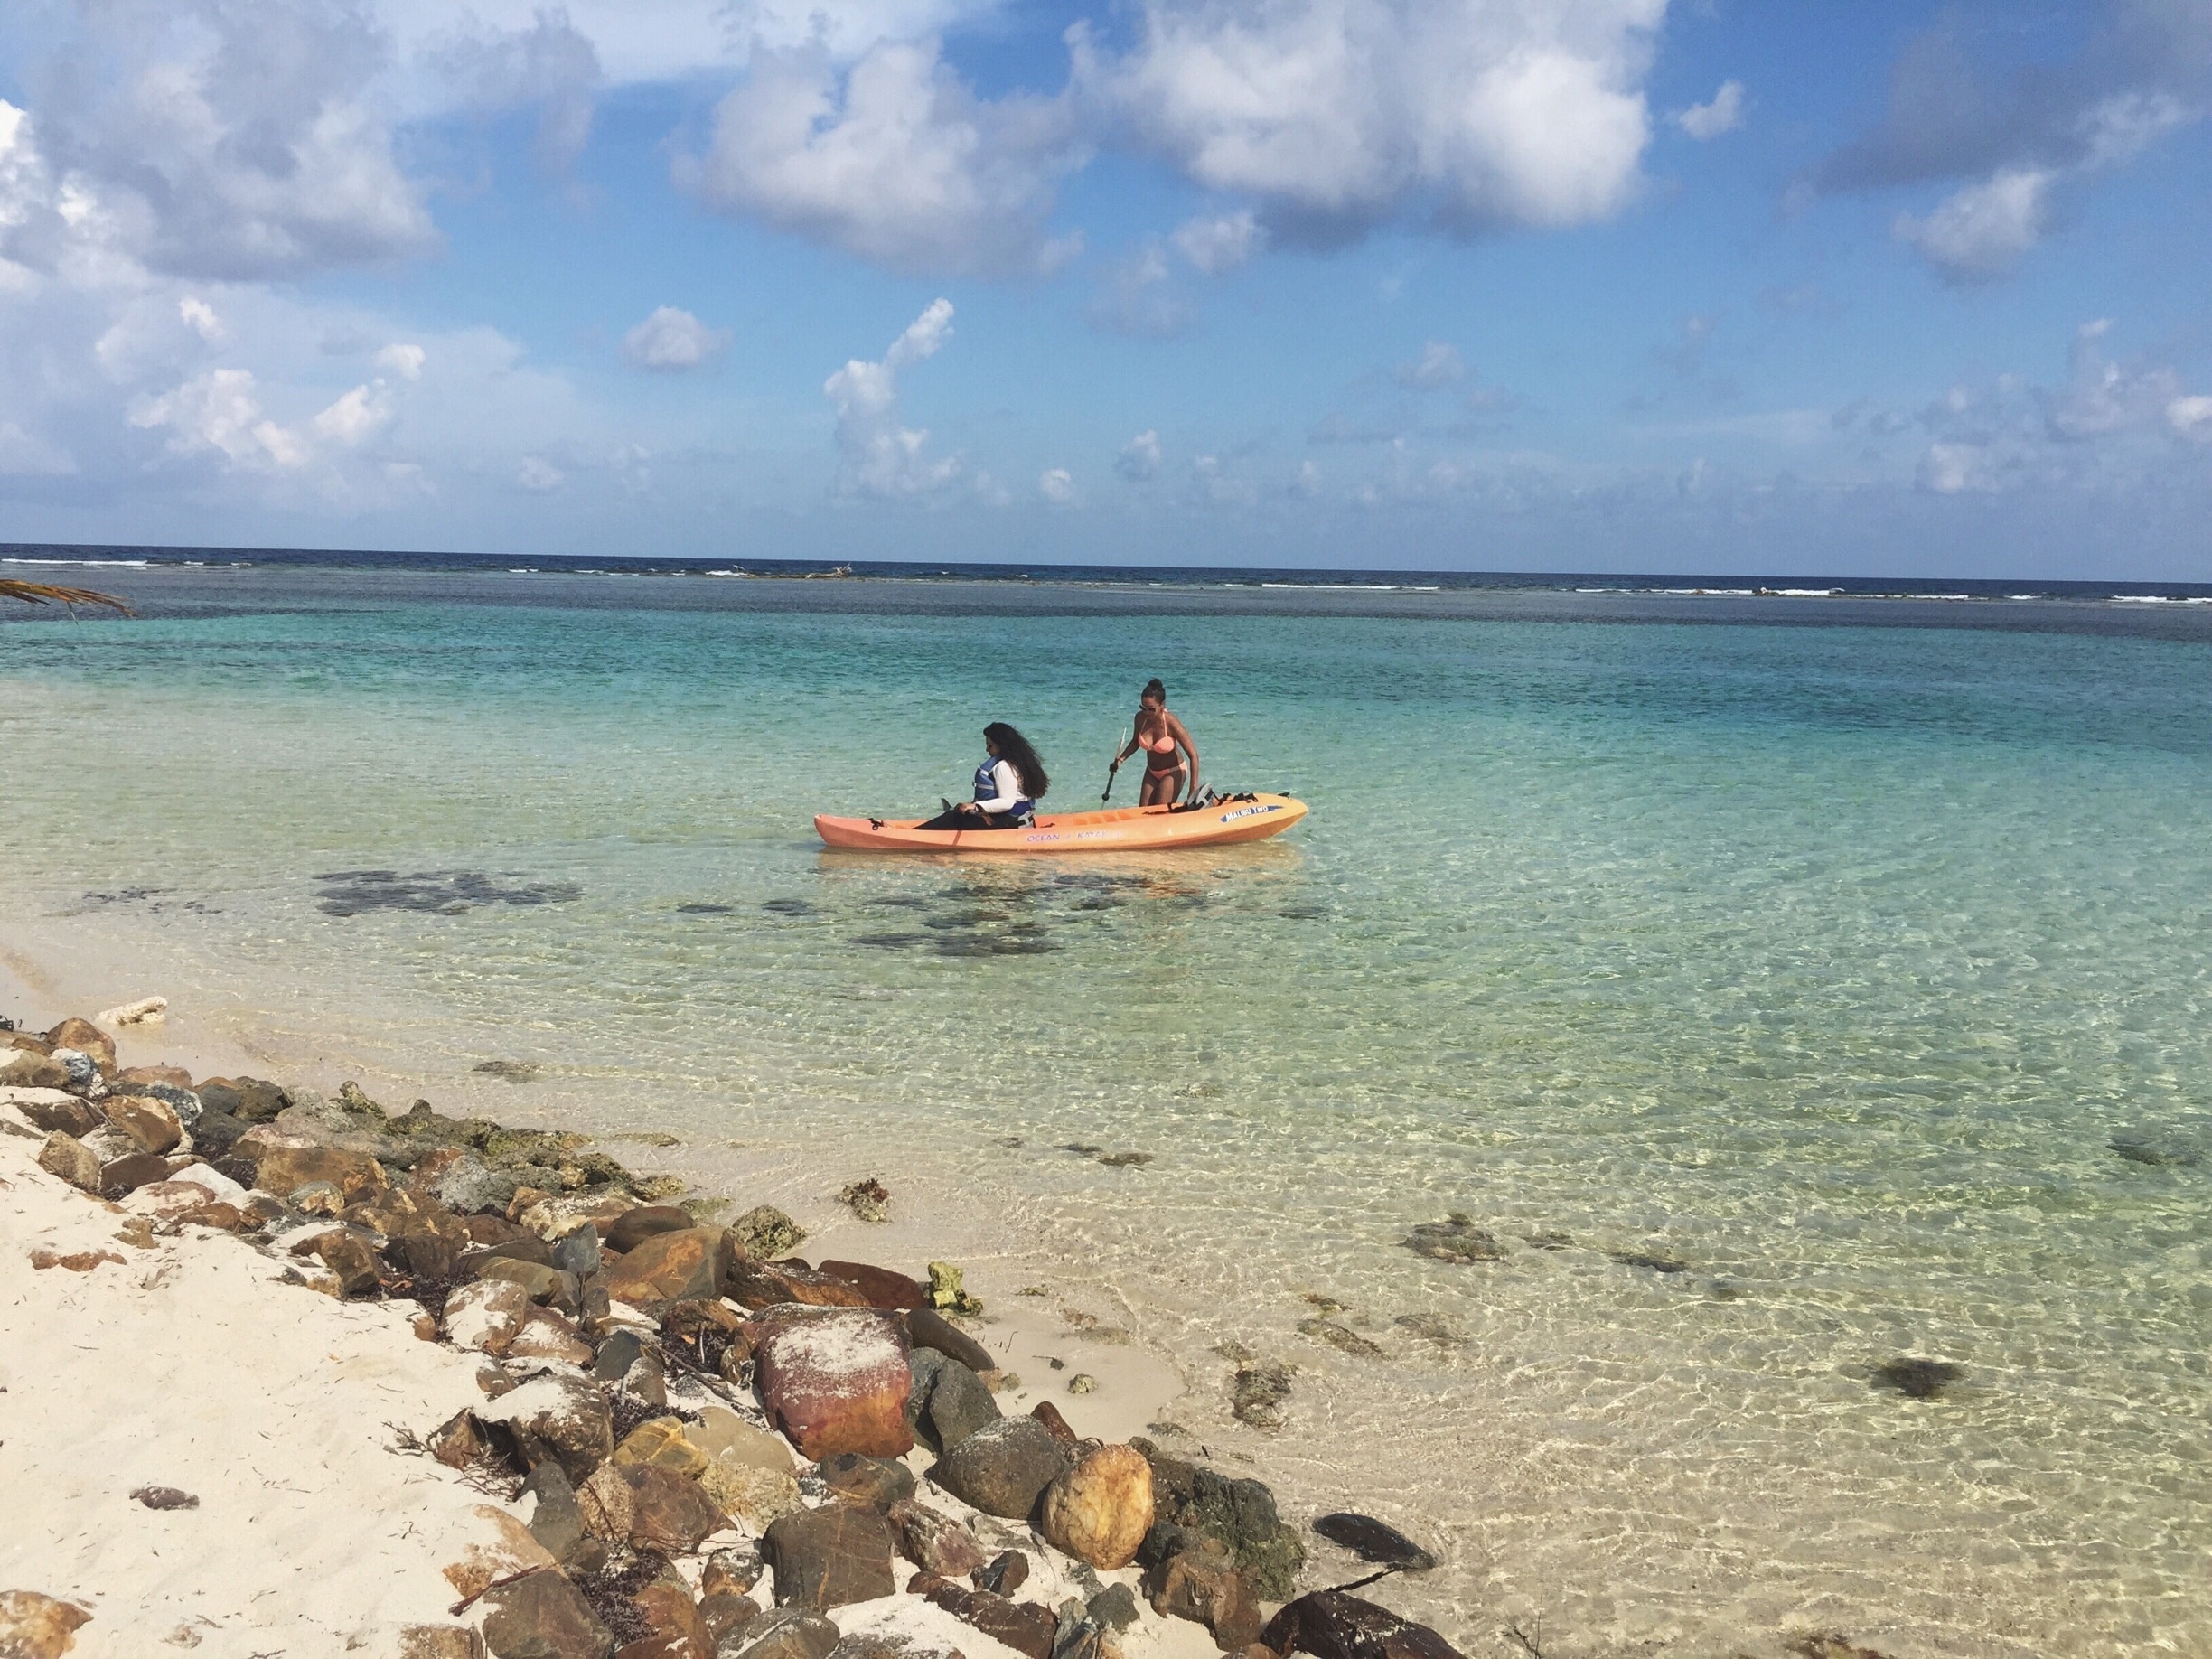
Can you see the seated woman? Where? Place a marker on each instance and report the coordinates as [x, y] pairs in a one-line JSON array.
[[1007, 785], [1160, 736]]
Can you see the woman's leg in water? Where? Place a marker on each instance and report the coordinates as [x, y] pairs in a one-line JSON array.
[[1161, 788]]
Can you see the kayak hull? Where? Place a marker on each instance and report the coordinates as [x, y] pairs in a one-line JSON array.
[[1124, 829]]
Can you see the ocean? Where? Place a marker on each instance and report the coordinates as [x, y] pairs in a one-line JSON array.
[[1790, 984]]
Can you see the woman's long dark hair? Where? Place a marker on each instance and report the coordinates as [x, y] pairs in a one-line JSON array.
[[1014, 747]]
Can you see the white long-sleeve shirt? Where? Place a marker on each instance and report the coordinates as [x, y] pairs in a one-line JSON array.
[[1007, 783]]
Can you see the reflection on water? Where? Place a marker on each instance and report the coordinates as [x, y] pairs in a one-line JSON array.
[[1788, 1046]]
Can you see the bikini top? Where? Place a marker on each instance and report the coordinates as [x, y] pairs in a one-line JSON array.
[[1165, 746]]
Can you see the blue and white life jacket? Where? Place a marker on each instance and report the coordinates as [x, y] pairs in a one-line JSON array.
[[987, 789]]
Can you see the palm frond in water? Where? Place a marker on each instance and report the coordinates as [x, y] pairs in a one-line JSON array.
[[39, 593]]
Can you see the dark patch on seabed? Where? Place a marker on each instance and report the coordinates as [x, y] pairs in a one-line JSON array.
[[787, 907], [706, 910], [2155, 1153], [1917, 1379], [446, 893]]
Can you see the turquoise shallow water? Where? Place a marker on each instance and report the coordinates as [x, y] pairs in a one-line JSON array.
[[1829, 962]]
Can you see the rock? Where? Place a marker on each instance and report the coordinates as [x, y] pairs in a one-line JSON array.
[[756, 1496], [576, 1252], [731, 1572], [152, 1124], [146, 1011], [1258, 1393], [1115, 1606], [550, 1511], [883, 1286], [541, 1284], [70, 1159], [509, 1553], [877, 1482], [682, 1264], [85, 1039], [725, 1614], [1008, 1573], [669, 1513], [1332, 1624], [351, 1263], [76, 1260], [659, 1442], [548, 1335], [1239, 1513], [928, 1328], [945, 1292], [726, 1438], [1024, 1626], [605, 1505], [1047, 1413], [51, 1110], [486, 1316], [835, 1380], [1916, 1379], [826, 1558], [935, 1542], [458, 1441], [285, 1169], [82, 1071], [632, 1227], [1099, 1510], [172, 1076], [1829, 1644], [670, 1613], [127, 1175], [422, 1258], [249, 1099], [520, 1247], [957, 1406], [1372, 1541], [765, 1284], [26, 1068], [37, 1626], [786, 1633], [766, 1233], [1340, 1336], [415, 1641], [1203, 1585], [868, 1199], [1456, 1239], [1002, 1467], [556, 1416], [166, 1498], [543, 1617]]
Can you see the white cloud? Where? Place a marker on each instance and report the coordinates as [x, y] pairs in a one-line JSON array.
[[219, 411], [1341, 113], [1057, 485], [1219, 243], [1723, 114], [1983, 230], [671, 339], [26, 455], [200, 317], [880, 458], [1139, 460], [1439, 365], [403, 360], [894, 160], [538, 475], [1951, 469], [547, 62], [354, 415], [1135, 298], [2191, 417]]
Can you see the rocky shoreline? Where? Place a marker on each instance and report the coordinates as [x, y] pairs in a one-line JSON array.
[[702, 1444]]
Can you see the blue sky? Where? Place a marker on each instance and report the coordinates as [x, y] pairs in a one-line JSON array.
[[1603, 284]]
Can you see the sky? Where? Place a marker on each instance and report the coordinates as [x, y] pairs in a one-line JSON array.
[[1699, 286]]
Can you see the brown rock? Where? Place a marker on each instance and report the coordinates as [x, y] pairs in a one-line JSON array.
[[421, 1258], [1003, 1468], [543, 1284], [1047, 1413], [877, 1482], [684, 1264], [152, 1124], [731, 1572], [668, 1611], [883, 1286], [765, 1284], [56, 1111], [1022, 1625], [69, 1157], [76, 1260], [825, 1558], [1332, 1624], [1100, 1511], [26, 1068], [725, 1612], [1202, 1585], [631, 1228], [928, 1328], [835, 1380], [284, 1171], [670, 1514], [441, 1641], [1008, 1573], [556, 1416], [27, 1040], [175, 1076], [487, 1315], [37, 1626], [352, 1261], [606, 1505], [249, 1099], [85, 1039], [659, 1442], [129, 1174], [935, 1542], [755, 1497], [548, 1335], [543, 1617], [456, 1442], [217, 1213], [785, 1633], [509, 1552]]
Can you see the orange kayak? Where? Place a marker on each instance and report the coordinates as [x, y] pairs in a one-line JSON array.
[[1121, 829]]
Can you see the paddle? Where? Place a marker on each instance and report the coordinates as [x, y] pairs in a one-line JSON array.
[[1113, 772]]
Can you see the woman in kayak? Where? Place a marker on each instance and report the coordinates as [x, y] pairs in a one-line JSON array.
[[1007, 785], [1159, 735]]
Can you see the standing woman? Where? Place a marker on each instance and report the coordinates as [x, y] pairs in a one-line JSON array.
[[1160, 735]]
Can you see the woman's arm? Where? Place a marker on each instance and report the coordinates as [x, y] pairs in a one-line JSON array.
[[1128, 748], [1007, 782], [1177, 730]]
